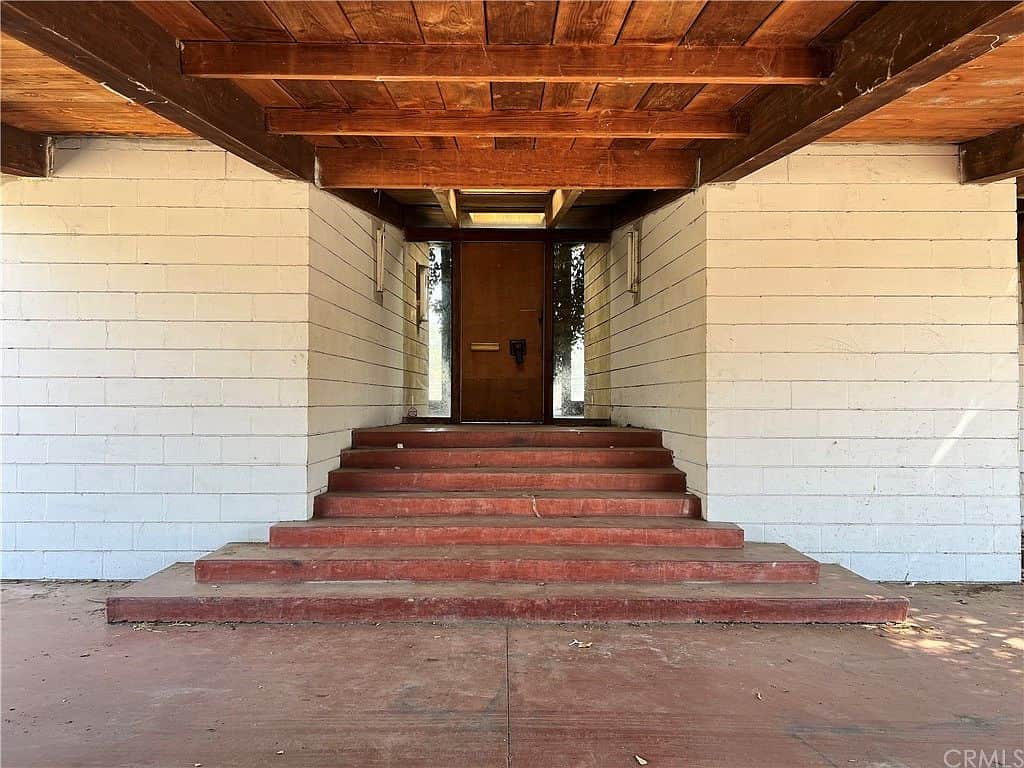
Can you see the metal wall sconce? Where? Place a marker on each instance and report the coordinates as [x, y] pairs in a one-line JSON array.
[[378, 258], [422, 293], [633, 261]]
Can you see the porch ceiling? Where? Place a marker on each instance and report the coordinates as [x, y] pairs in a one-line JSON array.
[[632, 102]]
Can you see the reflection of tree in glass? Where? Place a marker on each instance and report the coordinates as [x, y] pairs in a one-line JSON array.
[[439, 283], [568, 322]]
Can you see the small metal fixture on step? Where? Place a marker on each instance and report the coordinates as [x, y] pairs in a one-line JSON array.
[[633, 261], [378, 257]]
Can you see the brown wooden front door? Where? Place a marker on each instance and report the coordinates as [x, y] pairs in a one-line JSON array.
[[502, 301]]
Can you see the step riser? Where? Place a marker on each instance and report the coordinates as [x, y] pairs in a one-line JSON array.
[[431, 536], [404, 506], [371, 480], [506, 438], [546, 571], [312, 609], [442, 458]]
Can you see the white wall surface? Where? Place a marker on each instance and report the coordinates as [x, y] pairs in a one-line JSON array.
[[862, 374], [161, 303], [365, 348], [657, 339]]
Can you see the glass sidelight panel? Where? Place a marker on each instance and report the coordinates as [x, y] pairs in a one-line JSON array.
[[439, 330], [568, 319]]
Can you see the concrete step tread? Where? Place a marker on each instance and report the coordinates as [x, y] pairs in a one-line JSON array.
[[839, 596], [502, 427], [508, 521], [512, 470], [509, 493], [544, 449], [750, 553], [503, 435]]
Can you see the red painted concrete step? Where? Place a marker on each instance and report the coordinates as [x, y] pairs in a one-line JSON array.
[[440, 458], [617, 565], [504, 436], [838, 597], [605, 479], [505, 503], [563, 531]]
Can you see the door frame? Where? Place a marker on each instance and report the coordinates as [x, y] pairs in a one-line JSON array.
[[546, 236]]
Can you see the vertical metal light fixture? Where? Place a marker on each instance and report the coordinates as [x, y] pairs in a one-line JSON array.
[[378, 257], [633, 261]]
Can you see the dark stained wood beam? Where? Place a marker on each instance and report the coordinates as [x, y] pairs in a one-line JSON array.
[[448, 200], [116, 44], [994, 157], [374, 202], [879, 62], [506, 63], [505, 169], [608, 124], [559, 204], [498, 235], [901, 47], [23, 153], [120, 46]]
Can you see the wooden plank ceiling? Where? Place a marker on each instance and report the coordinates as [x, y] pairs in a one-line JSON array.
[[514, 97], [40, 95]]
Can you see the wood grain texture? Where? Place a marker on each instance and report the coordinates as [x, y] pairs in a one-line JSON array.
[[119, 45], [558, 205], [878, 63], [562, 123], [39, 94], [505, 169], [975, 99], [994, 157], [23, 153], [506, 63]]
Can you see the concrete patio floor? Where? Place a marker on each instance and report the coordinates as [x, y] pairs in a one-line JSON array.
[[77, 691]]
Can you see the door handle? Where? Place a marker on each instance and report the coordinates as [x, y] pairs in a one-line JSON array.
[[517, 348]]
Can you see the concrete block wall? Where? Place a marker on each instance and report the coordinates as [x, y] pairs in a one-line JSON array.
[[596, 331], [657, 338], [164, 307], [364, 344], [861, 371]]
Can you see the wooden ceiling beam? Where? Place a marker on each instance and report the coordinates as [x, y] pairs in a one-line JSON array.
[[994, 157], [23, 153], [877, 63], [607, 124], [558, 205], [505, 169], [448, 200], [506, 63], [118, 45]]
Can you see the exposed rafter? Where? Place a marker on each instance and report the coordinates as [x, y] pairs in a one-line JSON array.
[[559, 203], [878, 62], [506, 63], [448, 200], [116, 44], [23, 153], [607, 124], [505, 169], [994, 157]]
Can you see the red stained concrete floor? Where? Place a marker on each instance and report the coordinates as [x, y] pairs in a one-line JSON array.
[[79, 692]]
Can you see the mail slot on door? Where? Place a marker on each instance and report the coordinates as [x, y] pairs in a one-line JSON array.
[[484, 346]]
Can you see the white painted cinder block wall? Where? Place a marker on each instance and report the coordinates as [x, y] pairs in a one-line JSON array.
[[188, 342], [860, 359]]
